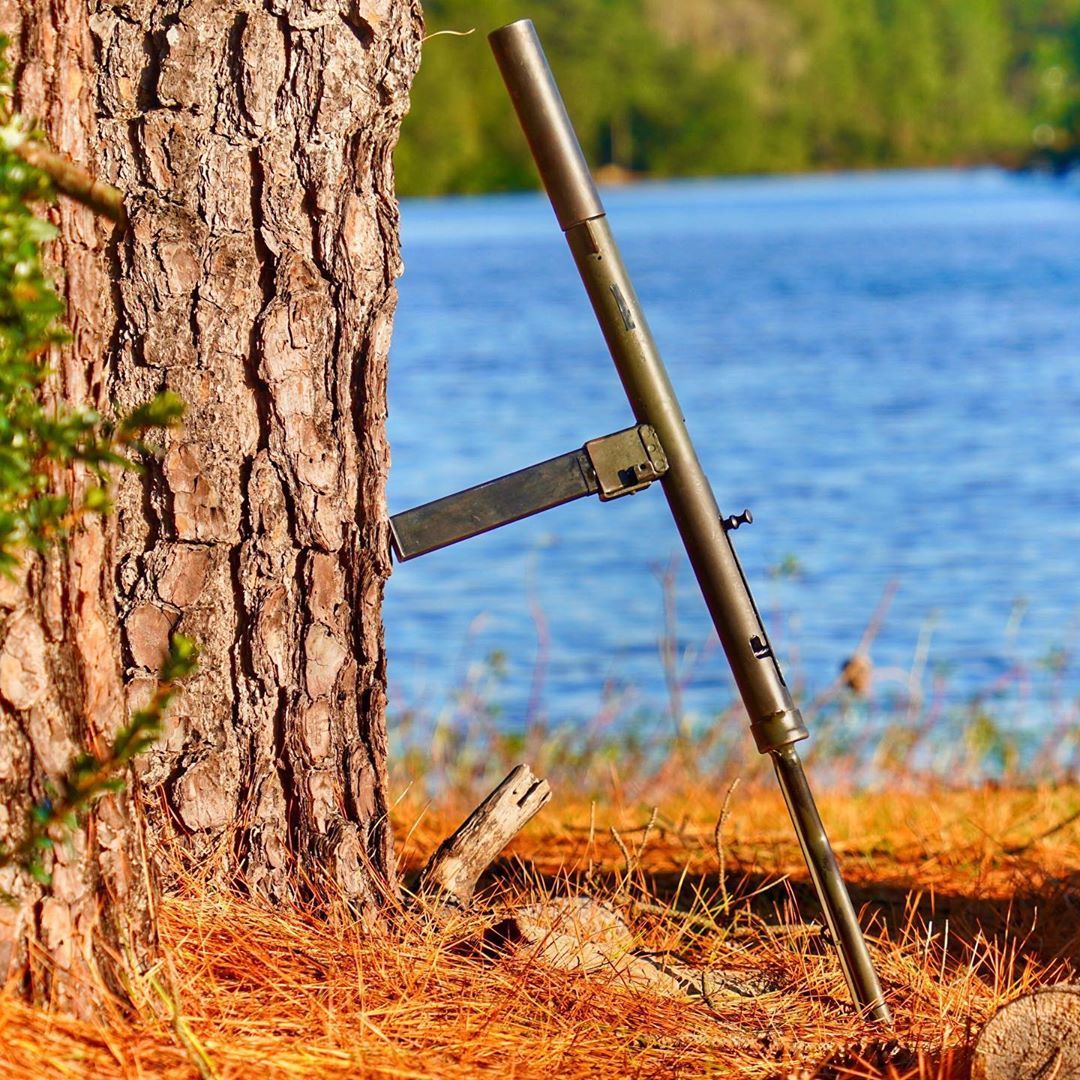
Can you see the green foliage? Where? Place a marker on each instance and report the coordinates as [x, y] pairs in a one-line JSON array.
[[1049, 37], [34, 441], [35, 438], [91, 775], [788, 567], [987, 742], [682, 87]]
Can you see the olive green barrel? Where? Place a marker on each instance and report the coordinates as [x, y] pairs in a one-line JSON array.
[[774, 720]]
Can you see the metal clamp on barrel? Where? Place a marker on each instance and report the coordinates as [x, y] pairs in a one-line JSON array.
[[779, 730], [626, 462]]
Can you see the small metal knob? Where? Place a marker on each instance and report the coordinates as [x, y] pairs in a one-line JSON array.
[[733, 522]]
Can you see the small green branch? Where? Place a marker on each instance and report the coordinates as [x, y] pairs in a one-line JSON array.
[[20, 136], [37, 439], [73, 180], [90, 776]]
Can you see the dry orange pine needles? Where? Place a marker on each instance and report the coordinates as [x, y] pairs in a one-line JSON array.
[[970, 897]]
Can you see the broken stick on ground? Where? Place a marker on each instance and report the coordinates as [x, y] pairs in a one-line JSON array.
[[453, 871]]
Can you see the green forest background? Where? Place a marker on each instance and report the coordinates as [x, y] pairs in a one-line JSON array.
[[707, 87]]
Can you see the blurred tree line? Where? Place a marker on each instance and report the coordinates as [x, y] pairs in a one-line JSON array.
[[703, 87]]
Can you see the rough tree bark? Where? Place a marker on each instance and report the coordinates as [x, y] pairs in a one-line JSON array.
[[256, 280], [60, 687]]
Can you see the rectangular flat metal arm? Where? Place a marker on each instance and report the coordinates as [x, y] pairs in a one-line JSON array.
[[612, 466], [487, 506]]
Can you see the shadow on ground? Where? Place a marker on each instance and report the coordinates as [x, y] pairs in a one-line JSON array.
[[1043, 923]]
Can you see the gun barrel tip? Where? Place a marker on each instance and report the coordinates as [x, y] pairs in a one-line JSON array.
[[518, 26]]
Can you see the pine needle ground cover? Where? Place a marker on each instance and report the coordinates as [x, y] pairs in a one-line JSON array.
[[972, 897]]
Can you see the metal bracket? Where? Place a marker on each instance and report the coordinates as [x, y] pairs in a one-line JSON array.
[[627, 461], [612, 466]]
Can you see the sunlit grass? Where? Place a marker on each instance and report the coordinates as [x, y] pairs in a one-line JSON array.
[[970, 897]]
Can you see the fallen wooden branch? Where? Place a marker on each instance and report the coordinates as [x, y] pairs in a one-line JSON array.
[[453, 871], [1019, 849]]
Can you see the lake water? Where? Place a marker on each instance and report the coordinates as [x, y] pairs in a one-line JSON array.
[[884, 368]]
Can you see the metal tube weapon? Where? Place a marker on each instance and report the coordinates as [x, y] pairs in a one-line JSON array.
[[774, 720], [659, 448]]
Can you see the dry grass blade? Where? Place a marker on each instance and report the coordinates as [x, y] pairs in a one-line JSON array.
[[718, 841]]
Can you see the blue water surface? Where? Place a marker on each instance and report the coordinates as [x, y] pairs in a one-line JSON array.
[[884, 368]]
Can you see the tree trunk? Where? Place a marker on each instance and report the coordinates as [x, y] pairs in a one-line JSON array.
[[68, 942], [256, 280]]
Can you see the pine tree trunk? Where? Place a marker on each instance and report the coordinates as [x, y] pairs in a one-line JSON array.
[[256, 280], [69, 942]]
